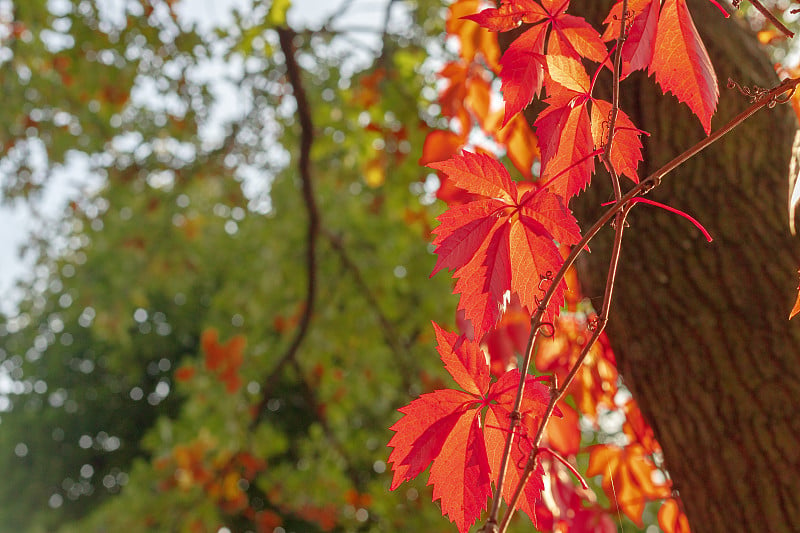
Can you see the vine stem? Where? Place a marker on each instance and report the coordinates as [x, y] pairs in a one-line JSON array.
[[558, 392], [772, 18]]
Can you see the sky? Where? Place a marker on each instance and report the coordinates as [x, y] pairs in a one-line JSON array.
[[17, 221]]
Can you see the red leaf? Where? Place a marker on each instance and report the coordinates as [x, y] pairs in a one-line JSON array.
[[501, 242], [626, 150], [637, 50], [485, 280], [460, 478], [421, 433], [522, 71], [534, 402], [497, 423], [509, 15], [463, 230], [479, 174], [522, 64], [565, 135], [681, 64], [467, 364], [508, 338], [568, 508], [572, 36], [444, 428]]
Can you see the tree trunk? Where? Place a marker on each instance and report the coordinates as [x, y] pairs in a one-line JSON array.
[[700, 330]]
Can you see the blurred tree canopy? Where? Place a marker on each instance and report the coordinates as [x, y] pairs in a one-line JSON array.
[[152, 353], [219, 327]]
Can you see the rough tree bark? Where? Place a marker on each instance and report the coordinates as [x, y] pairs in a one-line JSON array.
[[700, 330]]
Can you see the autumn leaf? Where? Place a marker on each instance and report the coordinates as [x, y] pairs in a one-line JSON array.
[[569, 35], [637, 49], [564, 434], [796, 308], [508, 338], [224, 359], [444, 429], [596, 382], [522, 71], [671, 518], [627, 477], [626, 150], [522, 146], [509, 15], [497, 423], [473, 39], [569, 508], [503, 242], [574, 37], [681, 64], [567, 148], [522, 64], [440, 145], [574, 128], [637, 429]]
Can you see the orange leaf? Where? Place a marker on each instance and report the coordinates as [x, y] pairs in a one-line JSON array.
[[596, 381], [224, 359], [474, 39], [672, 519], [184, 373], [637, 429], [627, 477], [796, 308], [563, 434], [440, 145], [521, 144]]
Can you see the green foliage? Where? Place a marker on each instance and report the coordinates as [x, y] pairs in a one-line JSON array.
[[117, 421]]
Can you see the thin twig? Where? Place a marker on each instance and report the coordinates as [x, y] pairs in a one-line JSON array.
[[612, 121], [557, 394], [772, 18], [286, 37]]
